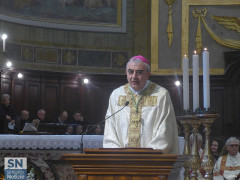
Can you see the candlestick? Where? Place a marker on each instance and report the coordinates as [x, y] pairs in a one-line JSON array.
[[206, 83], [195, 81], [185, 83]]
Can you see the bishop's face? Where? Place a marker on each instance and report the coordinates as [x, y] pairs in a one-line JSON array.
[[137, 75]]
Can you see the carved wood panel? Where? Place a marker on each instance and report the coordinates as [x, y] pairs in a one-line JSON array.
[[50, 100], [18, 92], [70, 98], [6, 85], [33, 98]]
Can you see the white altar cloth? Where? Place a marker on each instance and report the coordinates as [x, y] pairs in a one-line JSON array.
[[50, 141], [8, 141]]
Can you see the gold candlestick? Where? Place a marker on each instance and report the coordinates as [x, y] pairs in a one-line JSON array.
[[186, 151], [194, 162], [208, 160]]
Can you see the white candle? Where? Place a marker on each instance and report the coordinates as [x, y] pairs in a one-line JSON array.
[[4, 37], [185, 83], [195, 81], [4, 49], [206, 83]]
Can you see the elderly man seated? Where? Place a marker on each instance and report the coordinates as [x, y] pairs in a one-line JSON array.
[[7, 115], [228, 166]]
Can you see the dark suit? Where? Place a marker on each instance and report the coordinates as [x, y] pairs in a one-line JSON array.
[[57, 121], [42, 120], [4, 111], [20, 123]]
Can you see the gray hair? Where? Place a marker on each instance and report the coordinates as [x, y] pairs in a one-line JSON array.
[[24, 110], [139, 61], [199, 137], [231, 140], [40, 110], [5, 96]]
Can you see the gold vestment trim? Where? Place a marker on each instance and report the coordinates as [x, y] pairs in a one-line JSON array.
[[134, 129]]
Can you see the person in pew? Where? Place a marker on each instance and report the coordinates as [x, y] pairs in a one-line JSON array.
[[41, 114], [149, 119], [21, 120], [62, 118], [79, 129], [7, 115], [98, 130], [228, 166], [215, 148], [69, 130], [77, 118]]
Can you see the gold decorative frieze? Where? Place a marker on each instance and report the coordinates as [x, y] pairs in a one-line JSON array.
[[232, 23], [47, 55], [69, 57], [27, 53], [198, 39], [170, 23], [229, 23]]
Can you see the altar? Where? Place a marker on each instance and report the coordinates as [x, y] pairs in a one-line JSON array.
[[44, 152]]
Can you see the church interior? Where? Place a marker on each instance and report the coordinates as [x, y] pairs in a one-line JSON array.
[[57, 45]]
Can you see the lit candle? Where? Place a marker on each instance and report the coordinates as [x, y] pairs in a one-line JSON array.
[[195, 81], [4, 37], [206, 83], [185, 83]]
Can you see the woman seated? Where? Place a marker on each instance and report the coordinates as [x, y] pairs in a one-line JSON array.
[[215, 148]]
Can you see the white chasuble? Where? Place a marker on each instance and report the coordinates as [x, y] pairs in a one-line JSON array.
[[147, 122]]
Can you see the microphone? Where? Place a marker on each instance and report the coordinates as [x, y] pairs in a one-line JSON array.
[[93, 126]]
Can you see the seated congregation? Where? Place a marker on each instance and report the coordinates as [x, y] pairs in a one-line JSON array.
[[63, 124]]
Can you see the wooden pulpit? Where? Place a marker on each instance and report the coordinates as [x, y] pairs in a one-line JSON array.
[[121, 164]]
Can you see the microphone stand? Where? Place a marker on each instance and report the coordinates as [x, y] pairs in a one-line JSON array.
[[81, 143], [93, 126]]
